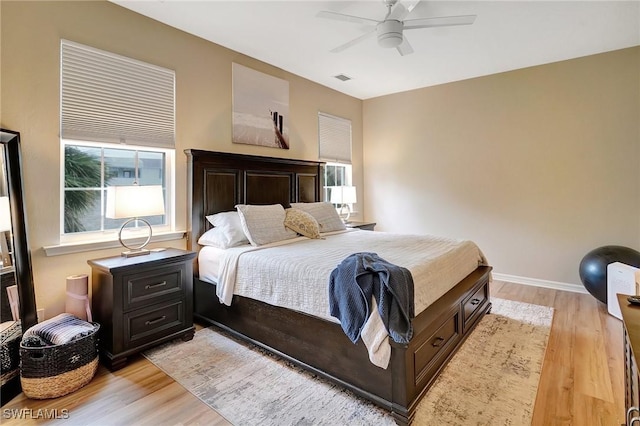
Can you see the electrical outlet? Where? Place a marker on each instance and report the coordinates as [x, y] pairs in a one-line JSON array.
[[40, 315]]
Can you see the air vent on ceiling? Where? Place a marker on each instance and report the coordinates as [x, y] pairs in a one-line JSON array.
[[342, 77]]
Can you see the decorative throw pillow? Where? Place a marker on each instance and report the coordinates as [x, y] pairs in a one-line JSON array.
[[264, 224], [324, 213], [302, 223], [227, 231]]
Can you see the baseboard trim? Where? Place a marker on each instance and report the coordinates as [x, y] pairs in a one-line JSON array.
[[555, 285]]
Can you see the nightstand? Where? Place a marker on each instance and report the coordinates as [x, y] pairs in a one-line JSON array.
[[367, 226], [141, 301]]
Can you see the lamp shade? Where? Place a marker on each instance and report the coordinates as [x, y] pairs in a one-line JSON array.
[[134, 201], [5, 214], [343, 194]]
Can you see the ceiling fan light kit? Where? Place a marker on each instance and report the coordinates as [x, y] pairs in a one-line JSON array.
[[389, 33], [390, 29]]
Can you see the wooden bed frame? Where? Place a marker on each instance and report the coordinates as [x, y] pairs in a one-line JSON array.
[[219, 181]]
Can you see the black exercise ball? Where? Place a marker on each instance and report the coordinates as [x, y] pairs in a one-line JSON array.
[[593, 267]]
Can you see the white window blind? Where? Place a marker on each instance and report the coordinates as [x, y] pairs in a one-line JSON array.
[[106, 97], [334, 134]]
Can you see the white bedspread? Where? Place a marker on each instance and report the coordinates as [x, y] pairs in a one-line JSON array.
[[209, 261], [295, 273]]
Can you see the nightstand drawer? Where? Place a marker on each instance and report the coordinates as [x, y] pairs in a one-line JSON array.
[[146, 288], [147, 324]]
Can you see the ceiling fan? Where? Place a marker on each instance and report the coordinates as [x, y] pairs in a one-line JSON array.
[[390, 29]]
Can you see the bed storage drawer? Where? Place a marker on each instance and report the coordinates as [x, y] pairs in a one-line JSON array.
[[439, 343], [471, 306]]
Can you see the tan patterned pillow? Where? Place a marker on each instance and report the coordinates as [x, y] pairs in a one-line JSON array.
[[302, 223]]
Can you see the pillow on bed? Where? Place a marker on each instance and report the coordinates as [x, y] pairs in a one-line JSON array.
[[227, 231], [231, 219], [324, 213], [264, 224], [302, 223]]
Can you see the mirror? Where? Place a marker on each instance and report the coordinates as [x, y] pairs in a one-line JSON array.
[[15, 262]]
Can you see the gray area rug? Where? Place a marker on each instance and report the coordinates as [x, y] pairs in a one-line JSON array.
[[492, 380]]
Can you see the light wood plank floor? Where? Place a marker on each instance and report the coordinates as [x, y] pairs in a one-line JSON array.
[[582, 379]]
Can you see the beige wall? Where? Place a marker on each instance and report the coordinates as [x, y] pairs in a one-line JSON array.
[[30, 40], [538, 166]]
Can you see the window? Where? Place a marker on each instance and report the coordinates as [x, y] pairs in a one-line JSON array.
[[336, 174], [89, 168], [117, 127], [334, 135]]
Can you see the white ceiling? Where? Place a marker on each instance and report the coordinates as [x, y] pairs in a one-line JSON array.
[[506, 35]]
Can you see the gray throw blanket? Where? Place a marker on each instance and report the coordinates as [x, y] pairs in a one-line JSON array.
[[362, 275], [58, 330]]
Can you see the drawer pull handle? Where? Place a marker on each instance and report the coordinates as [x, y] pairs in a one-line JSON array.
[[475, 301], [150, 286], [437, 342], [153, 321], [630, 412]]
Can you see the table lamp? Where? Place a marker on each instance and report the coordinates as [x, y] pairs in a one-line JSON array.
[[344, 196], [134, 202]]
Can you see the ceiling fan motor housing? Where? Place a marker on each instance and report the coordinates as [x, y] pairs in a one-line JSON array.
[[389, 33]]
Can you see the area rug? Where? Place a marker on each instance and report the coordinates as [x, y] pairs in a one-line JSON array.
[[492, 380]]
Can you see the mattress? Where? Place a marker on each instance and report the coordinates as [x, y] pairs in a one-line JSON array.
[[295, 274]]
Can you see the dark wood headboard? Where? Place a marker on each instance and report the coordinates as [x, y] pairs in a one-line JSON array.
[[218, 181]]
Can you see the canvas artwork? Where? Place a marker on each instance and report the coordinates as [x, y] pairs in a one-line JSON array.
[[260, 108]]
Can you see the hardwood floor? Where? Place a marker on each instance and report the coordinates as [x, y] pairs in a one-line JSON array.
[[582, 380]]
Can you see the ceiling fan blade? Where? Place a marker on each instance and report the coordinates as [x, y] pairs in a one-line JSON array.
[[353, 42], [346, 18], [444, 21], [410, 4], [402, 9], [405, 47]]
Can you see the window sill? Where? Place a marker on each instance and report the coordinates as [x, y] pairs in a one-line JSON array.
[[79, 247]]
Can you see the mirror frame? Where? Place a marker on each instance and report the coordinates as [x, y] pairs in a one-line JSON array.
[[21, 252], [21, 255]]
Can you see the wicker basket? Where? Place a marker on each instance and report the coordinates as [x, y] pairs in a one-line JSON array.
[[56, 370], [10, 351]]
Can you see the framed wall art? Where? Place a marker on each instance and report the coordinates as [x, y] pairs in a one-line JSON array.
[[260, 108]]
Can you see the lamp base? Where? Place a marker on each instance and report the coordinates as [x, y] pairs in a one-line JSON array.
[[134, 253], [345, 219]]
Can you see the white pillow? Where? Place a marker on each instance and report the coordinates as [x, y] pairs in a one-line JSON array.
[[227, 231], [225, 219], [264, 224], [324, 213]]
